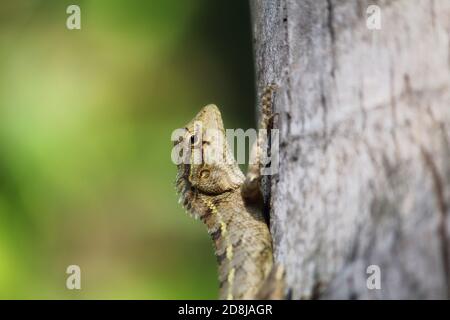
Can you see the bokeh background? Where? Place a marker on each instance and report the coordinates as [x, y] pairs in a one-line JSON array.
[[85, 122]]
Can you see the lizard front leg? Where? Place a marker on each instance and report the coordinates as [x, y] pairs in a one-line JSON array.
[[251, 189], [274, 285]]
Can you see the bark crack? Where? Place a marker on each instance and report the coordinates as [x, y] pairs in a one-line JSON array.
[[361, 105], [393, 104], [287, 71], [330, 25], [442, 206], [323, 100]]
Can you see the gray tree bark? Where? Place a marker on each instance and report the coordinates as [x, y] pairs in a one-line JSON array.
[[364, 120]]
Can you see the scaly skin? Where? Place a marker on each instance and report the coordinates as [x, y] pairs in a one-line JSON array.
[[242, 244], [216, 192]]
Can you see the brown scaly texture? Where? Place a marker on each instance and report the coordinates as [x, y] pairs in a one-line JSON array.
[[211, 187], [242, 244]]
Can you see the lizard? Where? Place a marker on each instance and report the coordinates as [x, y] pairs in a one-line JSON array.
[[213, 188]]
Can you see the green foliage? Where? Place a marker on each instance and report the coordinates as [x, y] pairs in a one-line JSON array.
[[85, 123]]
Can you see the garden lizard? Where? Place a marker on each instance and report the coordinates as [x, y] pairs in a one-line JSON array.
[[213, 188]]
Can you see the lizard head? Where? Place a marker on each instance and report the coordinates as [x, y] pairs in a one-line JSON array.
[[207, 166]]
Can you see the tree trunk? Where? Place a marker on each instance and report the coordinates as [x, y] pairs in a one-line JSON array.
[[364, 120]]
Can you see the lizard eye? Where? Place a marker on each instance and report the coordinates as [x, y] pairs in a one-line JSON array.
[[204, 174]]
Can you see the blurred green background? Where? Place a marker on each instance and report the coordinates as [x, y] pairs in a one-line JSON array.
[[85, 122]]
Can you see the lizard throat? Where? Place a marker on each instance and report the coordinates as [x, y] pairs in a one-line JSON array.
[[203, 207]]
